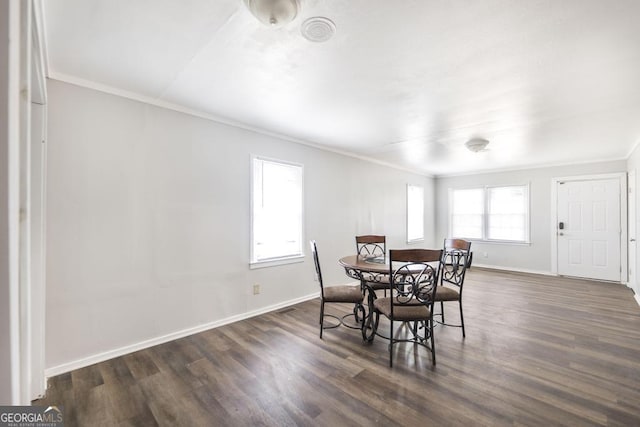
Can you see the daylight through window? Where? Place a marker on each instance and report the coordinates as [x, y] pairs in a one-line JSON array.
[[490, 213], [277, 210], [415, 213]]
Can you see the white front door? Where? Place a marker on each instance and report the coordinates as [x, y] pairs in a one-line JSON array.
[[589, 229]]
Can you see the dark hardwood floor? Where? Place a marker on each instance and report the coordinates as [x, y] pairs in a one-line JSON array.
[[539, 351]]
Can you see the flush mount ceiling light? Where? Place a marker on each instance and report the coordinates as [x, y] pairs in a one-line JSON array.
[[318, 29], [274, 13], [476, 144]]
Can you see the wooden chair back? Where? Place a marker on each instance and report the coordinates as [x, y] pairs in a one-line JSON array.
[[371, 244]]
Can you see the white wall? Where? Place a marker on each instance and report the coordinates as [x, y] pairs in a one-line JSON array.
[[10, 367], [633, 164], [148, 222], [535, 257]]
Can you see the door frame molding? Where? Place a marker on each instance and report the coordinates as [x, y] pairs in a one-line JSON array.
[[632, 219], [622, 179]]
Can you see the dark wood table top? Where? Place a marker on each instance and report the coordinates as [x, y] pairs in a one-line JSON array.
[[359, 263]]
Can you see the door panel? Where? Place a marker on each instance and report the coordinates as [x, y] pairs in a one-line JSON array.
[[575, 252], [589, 243], [600, 250]]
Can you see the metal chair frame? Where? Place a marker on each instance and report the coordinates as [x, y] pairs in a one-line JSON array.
[[412, 284], [357, 309], [372, 245], [456, 259]]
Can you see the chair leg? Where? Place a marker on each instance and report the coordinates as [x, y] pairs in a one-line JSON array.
[[433, 345], [461, 318], [391, 345], [321, 317], [442, 310]]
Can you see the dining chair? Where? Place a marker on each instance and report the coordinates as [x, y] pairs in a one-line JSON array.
[[456, 259], [371, 245], [412, 289], [348, 294]]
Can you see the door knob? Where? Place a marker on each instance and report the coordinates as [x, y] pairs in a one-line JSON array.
[[632, 240], [560, 234]]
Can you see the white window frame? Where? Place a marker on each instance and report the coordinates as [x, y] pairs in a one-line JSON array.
[[451, 211], [284, 259], [485, 214], [419, 238]]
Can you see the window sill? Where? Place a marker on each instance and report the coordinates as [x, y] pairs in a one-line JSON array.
[[276, 261], [500, 242], [415, 241]]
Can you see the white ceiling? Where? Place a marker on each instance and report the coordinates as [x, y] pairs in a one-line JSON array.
[[405, 82]]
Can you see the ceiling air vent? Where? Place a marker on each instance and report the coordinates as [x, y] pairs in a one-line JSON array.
[[318, 29]]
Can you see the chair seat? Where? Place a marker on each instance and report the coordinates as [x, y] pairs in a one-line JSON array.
[[402, 312], [376, 282], [343, 294], [445, 293], [377, 286]]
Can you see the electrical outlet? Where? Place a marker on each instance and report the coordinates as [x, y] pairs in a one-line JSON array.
[[256, 289], [485, 255]]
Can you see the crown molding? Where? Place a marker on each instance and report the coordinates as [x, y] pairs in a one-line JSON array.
[[157, 102], [529, 167]]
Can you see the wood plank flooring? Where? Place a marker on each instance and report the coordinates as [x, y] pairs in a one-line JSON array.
[[539, 351]]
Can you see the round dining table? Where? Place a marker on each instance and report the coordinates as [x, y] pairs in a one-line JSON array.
[[376, 269], [366, 270]]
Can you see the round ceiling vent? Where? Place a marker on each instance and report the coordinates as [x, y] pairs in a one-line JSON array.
[[318, 29]]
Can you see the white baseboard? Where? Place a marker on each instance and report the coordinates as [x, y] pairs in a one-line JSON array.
[[101, 357], [515, 270], [544, 273], [633, 287]]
